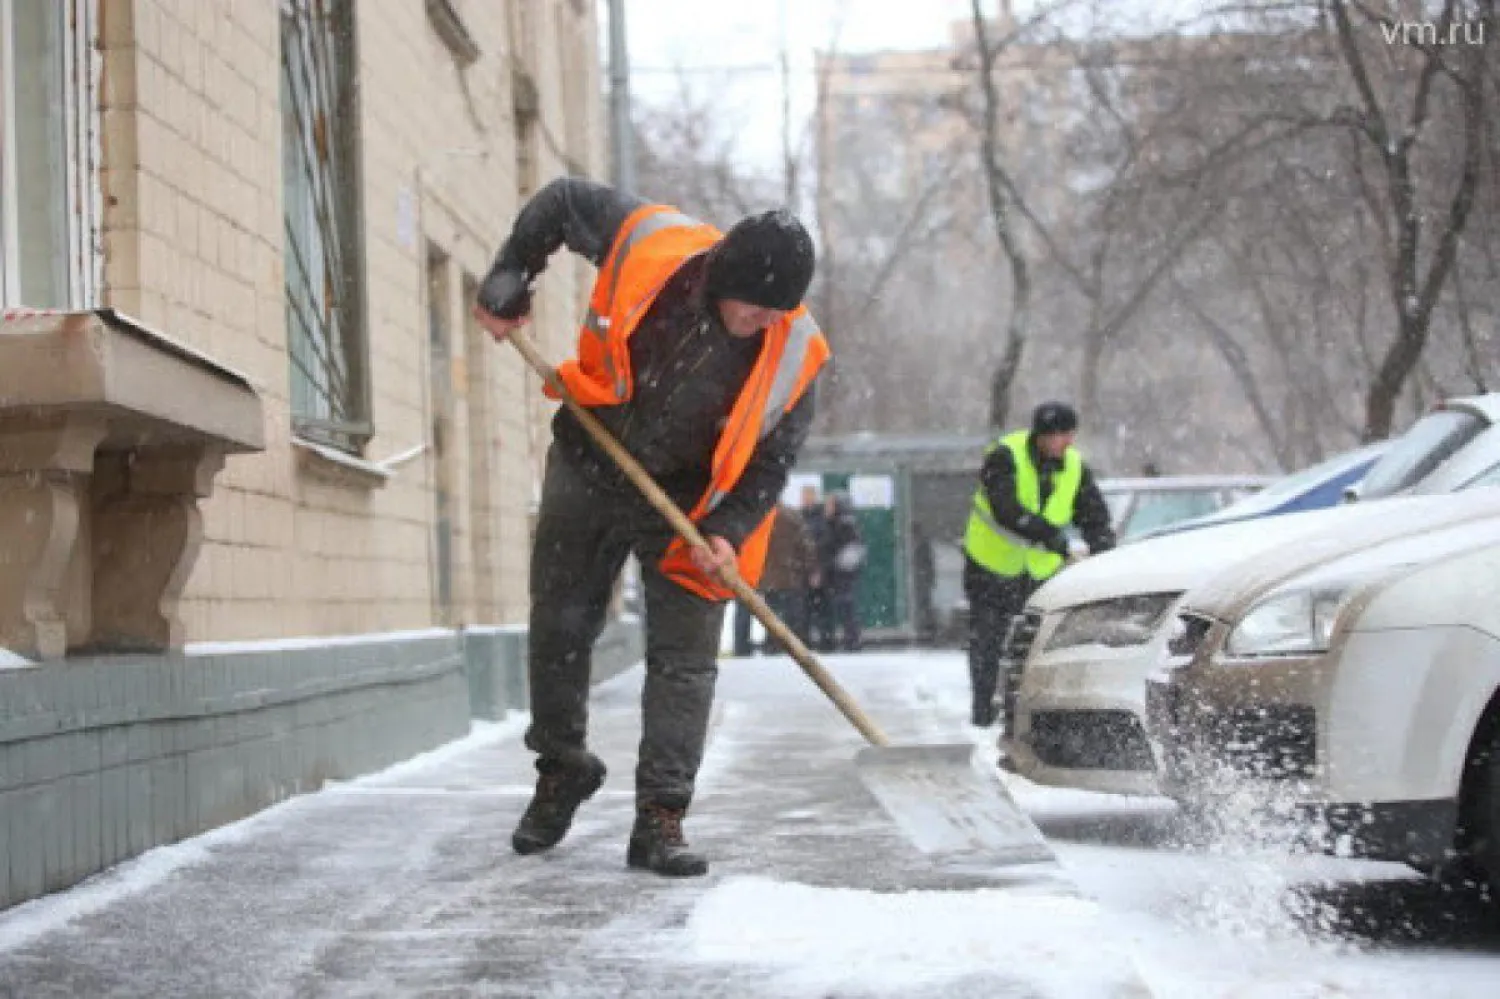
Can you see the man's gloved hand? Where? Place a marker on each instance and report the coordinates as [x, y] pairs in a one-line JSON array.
[[505, 293], [1058, 543]]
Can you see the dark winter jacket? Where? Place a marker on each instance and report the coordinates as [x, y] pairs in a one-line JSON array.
[[688, 370], [843, 551], [791, 558], [817, 529], [1090, 512]]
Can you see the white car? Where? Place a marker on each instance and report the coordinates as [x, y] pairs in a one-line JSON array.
[[1075, 700], [1362, 691]]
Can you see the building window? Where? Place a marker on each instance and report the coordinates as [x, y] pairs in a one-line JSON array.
[[48, 73], [324, 260]]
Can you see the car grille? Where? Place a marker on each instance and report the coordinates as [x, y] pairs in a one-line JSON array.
[[1018, 642], [1276, 741], [1022, 635], [1186, 644], [1267, 742], [1090, 740]]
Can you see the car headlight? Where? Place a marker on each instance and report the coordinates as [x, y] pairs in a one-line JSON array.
[[1295, 623], [1118, 623]]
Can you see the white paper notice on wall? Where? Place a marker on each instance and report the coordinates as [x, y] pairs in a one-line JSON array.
[[406, 219], [795, 483], [872, 491]]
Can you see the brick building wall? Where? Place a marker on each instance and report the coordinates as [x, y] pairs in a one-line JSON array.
[[193, 238]]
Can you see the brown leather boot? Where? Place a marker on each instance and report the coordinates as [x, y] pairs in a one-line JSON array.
[[560, 789], [657, 844]]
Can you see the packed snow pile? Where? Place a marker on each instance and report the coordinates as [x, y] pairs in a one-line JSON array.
[[10, 660], [822, 939]]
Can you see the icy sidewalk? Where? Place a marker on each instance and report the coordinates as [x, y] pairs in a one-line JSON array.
[[404, 883]]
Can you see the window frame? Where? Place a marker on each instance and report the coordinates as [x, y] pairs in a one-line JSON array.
[[333, 188], [78, 151]]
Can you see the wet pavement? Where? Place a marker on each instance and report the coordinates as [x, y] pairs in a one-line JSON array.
[[404, 884]]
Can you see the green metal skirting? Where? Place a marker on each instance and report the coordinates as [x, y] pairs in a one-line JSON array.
[[495, 660], [102, 759]]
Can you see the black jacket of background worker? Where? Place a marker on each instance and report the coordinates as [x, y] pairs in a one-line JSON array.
[[994, 599], [693, 342]]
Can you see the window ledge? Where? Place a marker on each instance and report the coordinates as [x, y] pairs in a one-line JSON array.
[[332, 465]]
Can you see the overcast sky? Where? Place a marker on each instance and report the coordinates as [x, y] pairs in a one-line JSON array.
[[732, 52]]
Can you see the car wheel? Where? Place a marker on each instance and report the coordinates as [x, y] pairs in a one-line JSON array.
[[1481, 833]]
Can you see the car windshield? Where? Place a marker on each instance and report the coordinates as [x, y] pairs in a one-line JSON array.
[[1297, 483], [1118, 503], [1429, 442], [1154, 510], [1489, 478]]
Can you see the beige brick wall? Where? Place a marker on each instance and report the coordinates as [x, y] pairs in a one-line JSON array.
[[193, 239]]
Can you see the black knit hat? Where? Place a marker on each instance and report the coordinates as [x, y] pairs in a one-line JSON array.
[[765, 259], [1054, 418]]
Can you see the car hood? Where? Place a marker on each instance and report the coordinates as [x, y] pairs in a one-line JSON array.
[[1412, 527], [1255, 552], [1229, 596]]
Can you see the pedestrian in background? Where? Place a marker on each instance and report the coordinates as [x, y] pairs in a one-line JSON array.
[[843, 562], [792, 572], [819, 607]]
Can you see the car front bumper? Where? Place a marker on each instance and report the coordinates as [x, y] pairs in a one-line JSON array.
[[1208, 738], [1080, 723]]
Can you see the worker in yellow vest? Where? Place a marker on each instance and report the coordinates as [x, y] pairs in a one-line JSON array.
[[1033, 485]]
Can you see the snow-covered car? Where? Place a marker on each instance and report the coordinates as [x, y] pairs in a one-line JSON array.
[[1360, 694], [1078, 657], [1453, 444], [1316, 487]]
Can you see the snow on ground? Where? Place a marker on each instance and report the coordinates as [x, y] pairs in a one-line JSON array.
[[1237, 916], [30, 920], [1240, 917], [13, 660], [824, 939]]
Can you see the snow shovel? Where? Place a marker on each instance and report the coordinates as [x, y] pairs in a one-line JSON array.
[[952, 809]]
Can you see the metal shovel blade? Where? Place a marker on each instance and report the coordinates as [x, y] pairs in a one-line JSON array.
[[950, 808]]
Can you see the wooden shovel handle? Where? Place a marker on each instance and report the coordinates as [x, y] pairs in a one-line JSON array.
[[689, 531]]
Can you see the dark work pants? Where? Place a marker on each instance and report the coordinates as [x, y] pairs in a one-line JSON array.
[[820, 629], [845, 613], [743, 646], [583, 536], [993, 602], [791, 607]]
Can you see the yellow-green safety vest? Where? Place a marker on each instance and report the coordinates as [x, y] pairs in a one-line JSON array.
[[1004, 552]]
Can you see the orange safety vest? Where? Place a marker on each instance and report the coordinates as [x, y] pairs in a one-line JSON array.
[[649, 248]]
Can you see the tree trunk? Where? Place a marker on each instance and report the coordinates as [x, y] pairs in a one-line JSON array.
[[1017, 327]]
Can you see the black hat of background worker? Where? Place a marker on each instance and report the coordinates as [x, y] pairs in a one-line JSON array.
[[765, 259], [1054, 418]]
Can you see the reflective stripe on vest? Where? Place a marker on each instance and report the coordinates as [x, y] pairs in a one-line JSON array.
[[598, 323], [1004, 552]]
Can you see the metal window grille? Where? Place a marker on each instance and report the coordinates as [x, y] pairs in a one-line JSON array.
[[324, 262]]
